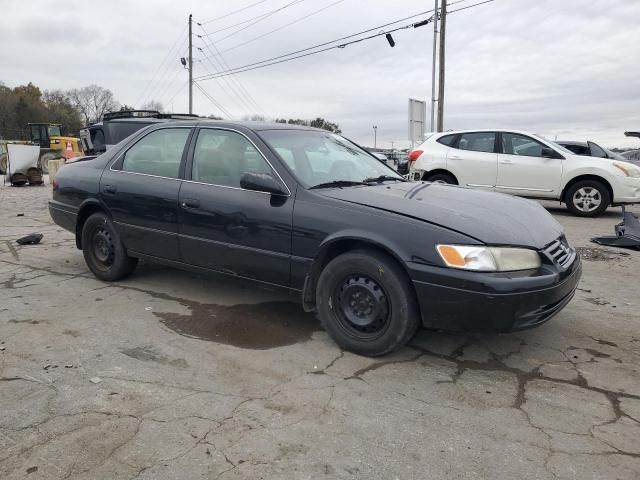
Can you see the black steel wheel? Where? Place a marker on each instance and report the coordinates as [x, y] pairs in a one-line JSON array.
[[103, 251], [366, 303], [364, 311]]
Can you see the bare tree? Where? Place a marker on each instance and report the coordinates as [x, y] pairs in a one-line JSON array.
[[153, 105], [93, 102]]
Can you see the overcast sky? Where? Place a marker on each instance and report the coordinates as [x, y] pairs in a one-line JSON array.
[[569, 68]]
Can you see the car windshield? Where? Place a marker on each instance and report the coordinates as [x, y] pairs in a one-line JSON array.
[[556, 145], [319, 158]]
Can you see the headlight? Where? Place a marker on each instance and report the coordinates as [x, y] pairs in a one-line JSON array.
[[488, 259], [628, 170]]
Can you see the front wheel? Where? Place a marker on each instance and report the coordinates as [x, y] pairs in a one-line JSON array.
[[103, 251], [587, 198], [366, 303]]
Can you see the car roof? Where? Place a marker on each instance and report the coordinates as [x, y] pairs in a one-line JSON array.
[[480, 130], [572, 142], [248, 124]]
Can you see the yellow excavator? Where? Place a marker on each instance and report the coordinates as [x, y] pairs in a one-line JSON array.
[[53, 144]]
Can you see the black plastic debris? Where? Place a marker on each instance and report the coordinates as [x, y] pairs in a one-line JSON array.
[[31, 239], [627, 233]]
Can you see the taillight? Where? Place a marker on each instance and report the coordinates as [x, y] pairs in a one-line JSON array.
[[415, 154], [54, 185]]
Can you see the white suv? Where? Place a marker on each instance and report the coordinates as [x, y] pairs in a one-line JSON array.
[[527, 165]]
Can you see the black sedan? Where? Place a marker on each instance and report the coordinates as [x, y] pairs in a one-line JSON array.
[[311, 212]]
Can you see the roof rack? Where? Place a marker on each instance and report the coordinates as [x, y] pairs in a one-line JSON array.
[[145, 114]]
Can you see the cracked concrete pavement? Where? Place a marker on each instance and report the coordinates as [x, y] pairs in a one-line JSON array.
[[173, 375]]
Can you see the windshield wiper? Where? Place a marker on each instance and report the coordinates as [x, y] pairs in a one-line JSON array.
[[382, 178], [338, 183]]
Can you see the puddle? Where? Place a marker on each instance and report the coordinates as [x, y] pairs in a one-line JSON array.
[[258, 326], [595, 254]]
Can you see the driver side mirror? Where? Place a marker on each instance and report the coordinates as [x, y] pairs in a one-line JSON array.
[[547, 152], [262, 182]]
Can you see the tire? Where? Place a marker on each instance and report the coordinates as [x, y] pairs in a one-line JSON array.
[[3, 163], [442, 178], [386, 322], [587, 198], [103, 251], [44, 161]]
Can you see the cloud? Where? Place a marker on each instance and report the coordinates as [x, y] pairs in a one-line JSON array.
[[558, 68]]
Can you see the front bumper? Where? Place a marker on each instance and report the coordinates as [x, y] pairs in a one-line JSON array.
[[627, 191], [457, 300]]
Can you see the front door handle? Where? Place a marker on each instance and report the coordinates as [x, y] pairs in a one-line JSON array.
[[506, 162], [190, 203], [456, 157], [111, 189]]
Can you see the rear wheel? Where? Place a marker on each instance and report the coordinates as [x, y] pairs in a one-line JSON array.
[[44, 161], [103, 251], [366, 303], [442, 178], [587, 198]]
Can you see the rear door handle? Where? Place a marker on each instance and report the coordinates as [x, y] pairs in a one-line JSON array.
[[506, 162], [109, 189], [190, 203]]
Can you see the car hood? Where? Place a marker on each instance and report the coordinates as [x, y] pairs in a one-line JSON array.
[[492, 218]]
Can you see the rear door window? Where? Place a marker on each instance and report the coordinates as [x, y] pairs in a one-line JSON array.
[[221, 157], [446, 140], [158, 153], [516, 144], [478, 142]]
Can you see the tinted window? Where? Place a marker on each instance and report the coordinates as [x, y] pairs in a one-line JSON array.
[[596, 151], [577, 149], [446, 140], [158, 153], [515, 144], [221, 157], [478, 142]]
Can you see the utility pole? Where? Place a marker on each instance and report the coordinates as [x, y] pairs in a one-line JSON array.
[[433, 67], [190, 68], [443, 25], [375, 136]]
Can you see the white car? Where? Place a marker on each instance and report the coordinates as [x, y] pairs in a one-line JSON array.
[[528, 165]]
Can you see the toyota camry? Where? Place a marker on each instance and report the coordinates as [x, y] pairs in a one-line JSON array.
[[311, 212]]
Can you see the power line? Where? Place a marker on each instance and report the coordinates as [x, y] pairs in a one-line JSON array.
[[170, 53], [223, 64], [293, 55], [239, 98], [339, 39], [211, 99], [283, 26], [469, 6], [234, 12], [263, 17]]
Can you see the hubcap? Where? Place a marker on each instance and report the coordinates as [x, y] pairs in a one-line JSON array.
[[587, 199], [363, 309], [103, 249]]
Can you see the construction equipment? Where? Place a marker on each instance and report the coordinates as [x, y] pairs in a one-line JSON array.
[[97, 138], [53, 144]]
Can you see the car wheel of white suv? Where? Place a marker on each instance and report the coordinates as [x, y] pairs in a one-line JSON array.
[[442, 178], [587, 198]]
